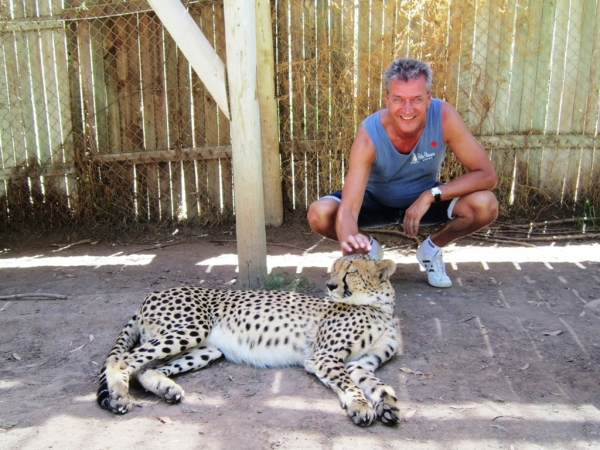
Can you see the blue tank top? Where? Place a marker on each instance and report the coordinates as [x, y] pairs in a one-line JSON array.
[[397, 179]]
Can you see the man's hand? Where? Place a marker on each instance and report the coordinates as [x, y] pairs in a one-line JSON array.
[[414, 214], [355, 244]]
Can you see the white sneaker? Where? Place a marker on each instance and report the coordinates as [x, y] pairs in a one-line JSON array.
[[435, 268], [376, 251]]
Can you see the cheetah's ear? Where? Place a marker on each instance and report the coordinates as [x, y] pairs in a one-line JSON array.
[[386, 268]]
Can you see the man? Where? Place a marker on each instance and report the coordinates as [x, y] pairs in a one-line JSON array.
[[393, 175]]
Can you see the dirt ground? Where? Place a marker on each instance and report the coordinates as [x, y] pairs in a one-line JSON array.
[[505, 359]]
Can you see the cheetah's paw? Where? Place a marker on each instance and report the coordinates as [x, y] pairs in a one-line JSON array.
[[361, 412], [388, 410]]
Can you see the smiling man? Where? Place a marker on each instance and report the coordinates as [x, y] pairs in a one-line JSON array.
[[393, 174]]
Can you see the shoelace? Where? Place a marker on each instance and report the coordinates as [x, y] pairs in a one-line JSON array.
[[437, 265]]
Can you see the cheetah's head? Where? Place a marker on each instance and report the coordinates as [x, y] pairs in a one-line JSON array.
[[359, 280]]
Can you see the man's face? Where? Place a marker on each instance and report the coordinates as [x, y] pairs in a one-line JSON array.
[[407, 102]]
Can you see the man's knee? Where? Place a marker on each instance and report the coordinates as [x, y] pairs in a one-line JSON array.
[[481, 207], [485, 207], [321, 216]]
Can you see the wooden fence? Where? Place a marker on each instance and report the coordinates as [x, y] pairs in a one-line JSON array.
[[104, 124]]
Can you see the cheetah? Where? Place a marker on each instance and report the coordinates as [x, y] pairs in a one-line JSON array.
[[341, 339]]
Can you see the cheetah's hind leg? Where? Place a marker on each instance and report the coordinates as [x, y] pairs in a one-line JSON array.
[[158, 382]]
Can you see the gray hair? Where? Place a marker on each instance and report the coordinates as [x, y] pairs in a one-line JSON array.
[[405, 69]]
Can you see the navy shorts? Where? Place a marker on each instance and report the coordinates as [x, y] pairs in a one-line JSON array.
[[374, 214]]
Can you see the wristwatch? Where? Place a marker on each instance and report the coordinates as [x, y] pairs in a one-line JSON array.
[[437, 194]]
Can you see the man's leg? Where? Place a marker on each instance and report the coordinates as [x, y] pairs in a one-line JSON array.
[[321, 217], [471, 213]]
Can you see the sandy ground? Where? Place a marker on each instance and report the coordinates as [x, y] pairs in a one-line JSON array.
[[506, 359]]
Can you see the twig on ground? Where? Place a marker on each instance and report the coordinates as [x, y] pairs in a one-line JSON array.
[[157, 247], [66, 246], [32, 295]]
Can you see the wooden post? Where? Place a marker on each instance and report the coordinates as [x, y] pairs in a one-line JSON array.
[[268, 115], [240, 31], [196, 48]]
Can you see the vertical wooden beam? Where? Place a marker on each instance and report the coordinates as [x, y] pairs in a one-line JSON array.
[[240, 30], [268, 115]]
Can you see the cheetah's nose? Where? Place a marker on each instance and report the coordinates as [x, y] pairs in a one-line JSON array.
[[331, 286]]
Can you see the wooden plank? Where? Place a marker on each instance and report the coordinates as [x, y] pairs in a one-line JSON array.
[[187, 154], [226, 180], [25, 100], [487, 100], [71, 102], [465, 75], [297, 103], [225, 163], [592, 109], [164, 185], [484, 47], [38, 122], [97, 35], [542, 77], [362, 72], [177, 189], [190, 183], [165, 136], [195, 47], [211, 110], [64, 150], [113, 117], [220, 48], [132, 84], [283, 94], [573, 36], [309, 98], [454, 45], [557, 64], [200, 96], [529, 22], [52, 87], [153, 192], [268, 116], [587, 59], [7, 112], [87, 85], [503, 78], [141, 194], [122, 72], [148, 81], [240, 27], [323, 76]]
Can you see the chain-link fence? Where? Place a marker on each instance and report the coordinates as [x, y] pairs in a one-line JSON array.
[[103, 124], [522, 73]]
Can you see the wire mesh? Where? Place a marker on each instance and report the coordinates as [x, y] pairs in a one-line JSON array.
[[104, 125]]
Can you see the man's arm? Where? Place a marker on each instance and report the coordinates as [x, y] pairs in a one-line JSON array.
[[362, 157], [470, 153]]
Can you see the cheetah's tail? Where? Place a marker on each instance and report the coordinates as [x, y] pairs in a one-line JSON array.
[[126, 341]]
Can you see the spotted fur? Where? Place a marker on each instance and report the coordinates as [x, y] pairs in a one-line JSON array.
[[342, 339]]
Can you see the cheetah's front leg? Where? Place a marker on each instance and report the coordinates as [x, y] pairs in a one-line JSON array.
[[331, 371], [383, 396]]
